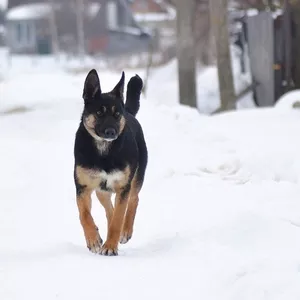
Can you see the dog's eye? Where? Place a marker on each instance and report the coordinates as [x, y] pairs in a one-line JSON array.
[[101, 111], [117, 114]]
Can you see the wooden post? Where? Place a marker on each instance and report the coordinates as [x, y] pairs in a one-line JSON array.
[[287, 36]]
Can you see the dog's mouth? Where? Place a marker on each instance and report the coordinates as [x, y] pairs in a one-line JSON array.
[[108, 140]]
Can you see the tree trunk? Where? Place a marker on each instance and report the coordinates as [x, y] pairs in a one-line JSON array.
[[186, 52], [295, 15], [80, 29], [203, 35], [53, 28], [219, 19]]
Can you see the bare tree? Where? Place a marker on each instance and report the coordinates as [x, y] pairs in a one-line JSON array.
[[80, 28], [219, 23], [203, 35], [186, 53], [53, 28], [295, 15]]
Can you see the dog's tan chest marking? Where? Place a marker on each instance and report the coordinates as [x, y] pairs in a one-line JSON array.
[[95, 179]]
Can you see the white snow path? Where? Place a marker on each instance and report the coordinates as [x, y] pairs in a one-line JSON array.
[[219, 216]]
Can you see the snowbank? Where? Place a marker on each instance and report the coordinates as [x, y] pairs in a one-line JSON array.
[[288, 100]]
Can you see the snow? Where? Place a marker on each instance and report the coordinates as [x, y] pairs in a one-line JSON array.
[[169, 15], [289, 99], [93, 9], [219, 213], [28, 11], [3, 4], [40, 10], [153, 17]]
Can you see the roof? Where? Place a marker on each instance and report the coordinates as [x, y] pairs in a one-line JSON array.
[[93, 9], [34, 11], [29, 11], [170, 14], [3, 4]]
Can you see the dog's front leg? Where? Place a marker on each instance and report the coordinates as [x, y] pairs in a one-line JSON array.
[[84, 203], [111, 245]]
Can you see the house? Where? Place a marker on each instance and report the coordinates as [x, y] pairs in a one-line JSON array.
[[153, 13], [109, 27]]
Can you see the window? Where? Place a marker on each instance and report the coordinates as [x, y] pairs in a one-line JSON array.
[[24, 33], [28, 33], [19, 32]]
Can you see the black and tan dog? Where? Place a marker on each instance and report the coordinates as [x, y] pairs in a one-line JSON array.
[[110, 157]]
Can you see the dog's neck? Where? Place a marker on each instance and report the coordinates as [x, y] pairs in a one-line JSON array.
[[102, 146]]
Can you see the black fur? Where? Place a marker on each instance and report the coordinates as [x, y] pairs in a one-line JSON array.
[[134, 88], [129, 148]]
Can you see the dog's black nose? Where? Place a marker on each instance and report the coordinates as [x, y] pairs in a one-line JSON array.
[[110, 133]]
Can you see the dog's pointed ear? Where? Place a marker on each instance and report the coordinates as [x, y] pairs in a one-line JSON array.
[[118, 90], [91, 86]]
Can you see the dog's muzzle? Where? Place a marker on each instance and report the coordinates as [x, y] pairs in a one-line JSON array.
[[108, 134]]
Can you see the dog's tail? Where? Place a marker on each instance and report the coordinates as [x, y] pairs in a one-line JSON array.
[[134, 89]]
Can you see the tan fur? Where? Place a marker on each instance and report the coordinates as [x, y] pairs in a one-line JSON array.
[[93, 239], [122, 183], [105, 200], [93, 178], [122, 124], [120, 222], [114, 231], [90, 121], [88, 178], [115, 226], [127, 229]]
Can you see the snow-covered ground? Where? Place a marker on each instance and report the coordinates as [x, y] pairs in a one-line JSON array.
[[162, 86], [219, 216]]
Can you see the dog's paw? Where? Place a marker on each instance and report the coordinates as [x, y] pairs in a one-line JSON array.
[[109, 249], [125, 236], [94, 243]]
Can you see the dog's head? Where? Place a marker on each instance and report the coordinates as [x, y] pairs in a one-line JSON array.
[[103, 114]]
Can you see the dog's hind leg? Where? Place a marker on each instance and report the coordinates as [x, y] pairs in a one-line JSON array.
[[93, 239], [133, 202], [105, 200]]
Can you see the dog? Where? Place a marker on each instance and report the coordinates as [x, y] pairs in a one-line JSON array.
[[111, 157]]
